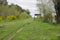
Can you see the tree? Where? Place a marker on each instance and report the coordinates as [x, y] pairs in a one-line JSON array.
[[57, 8], [27, 11], [3, 2], [46, 11]]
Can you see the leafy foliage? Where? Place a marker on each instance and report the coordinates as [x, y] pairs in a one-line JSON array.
[[12, 17], [46, 12], [1, 18], [15, 10], [24, 15]]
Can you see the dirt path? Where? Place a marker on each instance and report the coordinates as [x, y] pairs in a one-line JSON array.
[[10, 38]]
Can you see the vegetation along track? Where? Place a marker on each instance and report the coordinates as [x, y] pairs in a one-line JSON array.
[[11, 35]]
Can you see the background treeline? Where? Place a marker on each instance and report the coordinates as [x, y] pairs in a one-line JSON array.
[[47, 11], [12, 12]]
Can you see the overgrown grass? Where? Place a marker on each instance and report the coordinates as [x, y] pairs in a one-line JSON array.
[[37, 30], [6, 28], [32, 30]]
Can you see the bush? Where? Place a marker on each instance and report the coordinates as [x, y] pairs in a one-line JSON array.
[[48, 17], [1, 18], [12, 17], [24, 15]]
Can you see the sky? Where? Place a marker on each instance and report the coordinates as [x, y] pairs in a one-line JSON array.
[[26, 4]]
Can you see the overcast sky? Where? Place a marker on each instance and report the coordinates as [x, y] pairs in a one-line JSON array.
[[26, 4]]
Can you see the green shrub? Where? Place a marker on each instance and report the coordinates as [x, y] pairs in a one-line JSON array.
[[12, 17], [24, 15], [1, 18], [48, 17]]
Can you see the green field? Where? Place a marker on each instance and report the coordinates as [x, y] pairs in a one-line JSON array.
[[29, 29]]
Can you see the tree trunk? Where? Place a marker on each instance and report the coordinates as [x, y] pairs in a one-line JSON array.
[[57, 8]]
